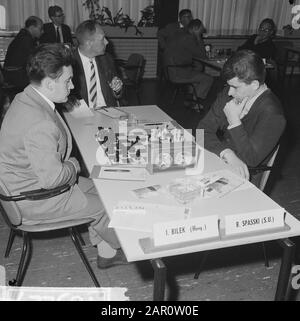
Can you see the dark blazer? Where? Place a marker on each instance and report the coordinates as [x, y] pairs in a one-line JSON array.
[[18, 53], [106, 70], [169, 31], [49, 35], [254, 140], [265, 49]]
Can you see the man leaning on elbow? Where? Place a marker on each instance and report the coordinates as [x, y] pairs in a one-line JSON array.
[[246, 121]]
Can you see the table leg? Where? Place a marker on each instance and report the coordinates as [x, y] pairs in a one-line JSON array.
[[285, 269], [160, 272]]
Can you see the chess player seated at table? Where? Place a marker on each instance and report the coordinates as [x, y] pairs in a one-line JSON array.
[[246, 121], [96, 80], [35, 147]]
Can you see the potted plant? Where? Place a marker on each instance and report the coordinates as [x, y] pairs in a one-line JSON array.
[[126, 26]]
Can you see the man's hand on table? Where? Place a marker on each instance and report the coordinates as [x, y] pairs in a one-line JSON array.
[[237, 165]]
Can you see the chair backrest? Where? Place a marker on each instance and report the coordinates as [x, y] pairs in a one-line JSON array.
[[281, 46], [135, 67], [10, 210], [266, 174]]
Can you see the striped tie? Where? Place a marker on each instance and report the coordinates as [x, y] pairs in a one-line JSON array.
[[93, 86]]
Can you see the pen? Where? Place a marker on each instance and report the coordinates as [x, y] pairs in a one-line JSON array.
[[154, 124], [100, 108], [116, 170]]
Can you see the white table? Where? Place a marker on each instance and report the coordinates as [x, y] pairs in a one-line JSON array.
[[112, 191]]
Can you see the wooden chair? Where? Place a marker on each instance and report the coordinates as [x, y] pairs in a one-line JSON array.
[[13, 218], [179, 84], [133, 68]]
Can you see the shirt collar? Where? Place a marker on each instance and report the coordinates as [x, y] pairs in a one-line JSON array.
[[252, 100], [51, 103], [180, 25], [84, 58]]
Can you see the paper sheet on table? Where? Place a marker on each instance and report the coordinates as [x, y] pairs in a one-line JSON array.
[[82, 110], [141, 216], [112, 112]]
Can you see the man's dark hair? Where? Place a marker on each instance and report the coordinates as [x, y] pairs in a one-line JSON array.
[[184, 12], [86, 28], [246, 65], [33, 21], [48, 60], [53, 9]]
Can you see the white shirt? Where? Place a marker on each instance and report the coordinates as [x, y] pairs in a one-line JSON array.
[[245, 111], [60, 32], [51, 103], [87, 72]]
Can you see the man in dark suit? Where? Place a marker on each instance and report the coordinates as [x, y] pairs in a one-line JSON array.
[[19, 50], [56, 31], [184, 50], [35, 148], [171, 30], [246, 121], [95, 77]]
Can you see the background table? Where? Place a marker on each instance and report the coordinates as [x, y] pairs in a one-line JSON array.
[[111, 192]]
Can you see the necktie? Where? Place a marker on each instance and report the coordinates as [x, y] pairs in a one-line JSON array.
[[93, 85], [57, 35]]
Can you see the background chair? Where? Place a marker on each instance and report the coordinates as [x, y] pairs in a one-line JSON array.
[[287, 60], [13, 218], [133, 70], [180, 84], [266, 171]]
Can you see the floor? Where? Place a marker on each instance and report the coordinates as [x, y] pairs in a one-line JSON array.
[[235, 274]]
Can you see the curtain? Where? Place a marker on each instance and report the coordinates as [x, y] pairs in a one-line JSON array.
[[17, 11], [239, 17]]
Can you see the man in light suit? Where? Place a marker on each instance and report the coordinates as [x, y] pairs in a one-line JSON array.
[[56, 31], [91, 54], [35, 147]]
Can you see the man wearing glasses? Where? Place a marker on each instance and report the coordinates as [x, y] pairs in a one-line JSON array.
[[56, 31], [262, 43]]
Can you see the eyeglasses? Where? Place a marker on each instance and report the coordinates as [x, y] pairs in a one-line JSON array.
[[265, 29], [59, 15]]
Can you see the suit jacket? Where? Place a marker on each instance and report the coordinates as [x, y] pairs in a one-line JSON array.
[[16, 59], [35, 146], [106, 71], [169, 31], [49, 35], [254, 140], [183, 50]]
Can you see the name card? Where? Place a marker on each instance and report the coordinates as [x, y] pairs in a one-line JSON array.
[[254, 221], [185, 230]]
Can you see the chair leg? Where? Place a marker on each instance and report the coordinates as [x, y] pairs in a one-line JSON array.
[[24, 261], [201, 265], [267, 264], [82, 242], [10, 242], [197, 98], [138, 96], [75, 239], [175, 95]]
